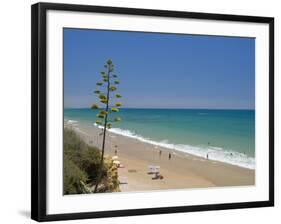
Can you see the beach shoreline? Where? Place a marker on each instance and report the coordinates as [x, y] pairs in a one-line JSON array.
[[180, 171]]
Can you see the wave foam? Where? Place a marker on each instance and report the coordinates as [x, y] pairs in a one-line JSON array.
[[71, 121], [214, 153]]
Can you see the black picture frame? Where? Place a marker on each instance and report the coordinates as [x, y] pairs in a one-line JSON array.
[[38, 109]]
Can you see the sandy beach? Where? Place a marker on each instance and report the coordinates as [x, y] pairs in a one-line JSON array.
[[181, 171]]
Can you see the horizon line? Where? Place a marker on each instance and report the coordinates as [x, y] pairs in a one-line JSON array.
[[175, 108]]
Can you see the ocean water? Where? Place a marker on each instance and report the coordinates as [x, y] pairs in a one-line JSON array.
[[225, 135]]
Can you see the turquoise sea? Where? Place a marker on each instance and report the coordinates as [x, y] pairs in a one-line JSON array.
[[225, 135]]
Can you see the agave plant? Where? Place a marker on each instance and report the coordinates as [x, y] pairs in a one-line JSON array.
[[106, 95]]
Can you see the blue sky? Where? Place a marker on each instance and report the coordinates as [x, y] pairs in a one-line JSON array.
[[161, 70]]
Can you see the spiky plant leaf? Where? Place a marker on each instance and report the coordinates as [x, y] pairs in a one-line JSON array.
[[100, 116], [99, 122], [103, 101], [114, 109], [99, 84], [117, 82], [102, 97], [97, 92], [118, 104], [103, 112], [112, 88], [117, 95], [94, 106], [109, 62]]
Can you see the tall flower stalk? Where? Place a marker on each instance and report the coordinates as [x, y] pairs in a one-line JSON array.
[[106, 92]]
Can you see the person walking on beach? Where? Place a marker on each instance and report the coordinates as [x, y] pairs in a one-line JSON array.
[[207, 156], [160, 152], [170, 155]]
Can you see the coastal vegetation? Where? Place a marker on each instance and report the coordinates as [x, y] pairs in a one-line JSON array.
[[81, 166], [105, 94]]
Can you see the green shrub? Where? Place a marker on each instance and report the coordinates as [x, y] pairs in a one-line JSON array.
[[82, 163], [72, 177], [73, 146], [90, 162]]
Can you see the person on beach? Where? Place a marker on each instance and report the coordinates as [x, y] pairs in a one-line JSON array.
[[207, 156], [170, 155], [115, 151], [160, 152]]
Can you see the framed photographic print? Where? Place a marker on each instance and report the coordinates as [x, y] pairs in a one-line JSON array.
[[139, 111]]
